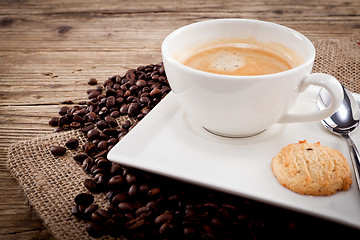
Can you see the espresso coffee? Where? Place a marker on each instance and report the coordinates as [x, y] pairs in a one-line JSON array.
[[240, 59]]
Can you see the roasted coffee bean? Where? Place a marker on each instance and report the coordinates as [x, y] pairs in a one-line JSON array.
[[143, 212], [135, 223], [155, 192], [79, 157], [84, 199], [116, 182], [91, 185], [75, 125], [110, 132], [100, 215], [87, 128], [95, 229], [76, 211], [63, 110], [102, 124], [93, 134], [103, 163], [87, 164], [126, 124], [72, 143], [125, 207], [101, 179], [92, 81], [133, 190], [91, 116], [90, 209], [93, 94], [162, 218], [141, 83], [54, 121], [78, 118], [155, 92], [118, 198], [115, 114], [112, 141], [102, 145], [58, 150], [115, 169], [189, 231], [89, 147], [166, 228], [111, 121], [130, 178], [133, 109], [124, 109]]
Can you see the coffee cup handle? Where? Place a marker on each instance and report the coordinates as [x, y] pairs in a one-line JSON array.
[[329, 83]]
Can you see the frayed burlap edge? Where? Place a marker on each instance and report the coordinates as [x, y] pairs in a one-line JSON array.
[[50, 183]]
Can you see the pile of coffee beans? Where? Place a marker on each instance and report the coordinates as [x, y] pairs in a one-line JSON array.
[[148, 206]]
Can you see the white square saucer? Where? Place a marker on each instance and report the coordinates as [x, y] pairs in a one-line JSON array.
[[170, 143]]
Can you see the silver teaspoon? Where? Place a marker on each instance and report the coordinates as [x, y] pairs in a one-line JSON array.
[[343, 122]]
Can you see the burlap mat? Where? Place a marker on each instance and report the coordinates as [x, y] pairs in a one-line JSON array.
[[51, 183]]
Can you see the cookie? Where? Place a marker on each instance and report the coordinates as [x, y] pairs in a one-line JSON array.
[[311, 169]]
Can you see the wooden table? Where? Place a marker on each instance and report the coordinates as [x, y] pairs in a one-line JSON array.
[[49, 49]]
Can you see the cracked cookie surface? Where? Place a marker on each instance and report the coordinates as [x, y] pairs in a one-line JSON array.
[[311, 169]]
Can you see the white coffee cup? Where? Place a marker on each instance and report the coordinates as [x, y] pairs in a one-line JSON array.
[[240, 106]]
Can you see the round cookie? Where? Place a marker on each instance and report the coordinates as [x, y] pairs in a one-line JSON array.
[[311, 169]]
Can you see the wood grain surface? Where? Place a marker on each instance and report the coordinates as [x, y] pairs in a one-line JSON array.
[[49, 49]]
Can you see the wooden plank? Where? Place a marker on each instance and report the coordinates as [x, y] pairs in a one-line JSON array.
[[49, 49]]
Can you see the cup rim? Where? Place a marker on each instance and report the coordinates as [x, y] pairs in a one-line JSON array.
[[306, 62]]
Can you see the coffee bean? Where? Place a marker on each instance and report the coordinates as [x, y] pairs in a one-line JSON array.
[[162, 218], [166, 228], [89, 147], [92, 81], [76, 211], [115, 169], [95, 230], [79, 157], [115, 114], [93, 94], [84, 199], [93, 134], [133, 109], [115, 182], [155, 92], [102, 145], [143, 212], [133, 190], [125, 207], [53, 121], [58, 150], [72, 143], [91, 185], [141, 83], [63, 110], [78, 119], [154, 192], [87, 164], [131, 178], [101, 179], [188, 232], [135, 223], [111, 121], [90, 209], [118, 198], [100, 216]]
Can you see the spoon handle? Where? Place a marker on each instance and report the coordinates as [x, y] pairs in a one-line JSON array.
[[355, 159]]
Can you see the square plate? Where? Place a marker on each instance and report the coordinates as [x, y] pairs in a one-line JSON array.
[[170, 143]]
